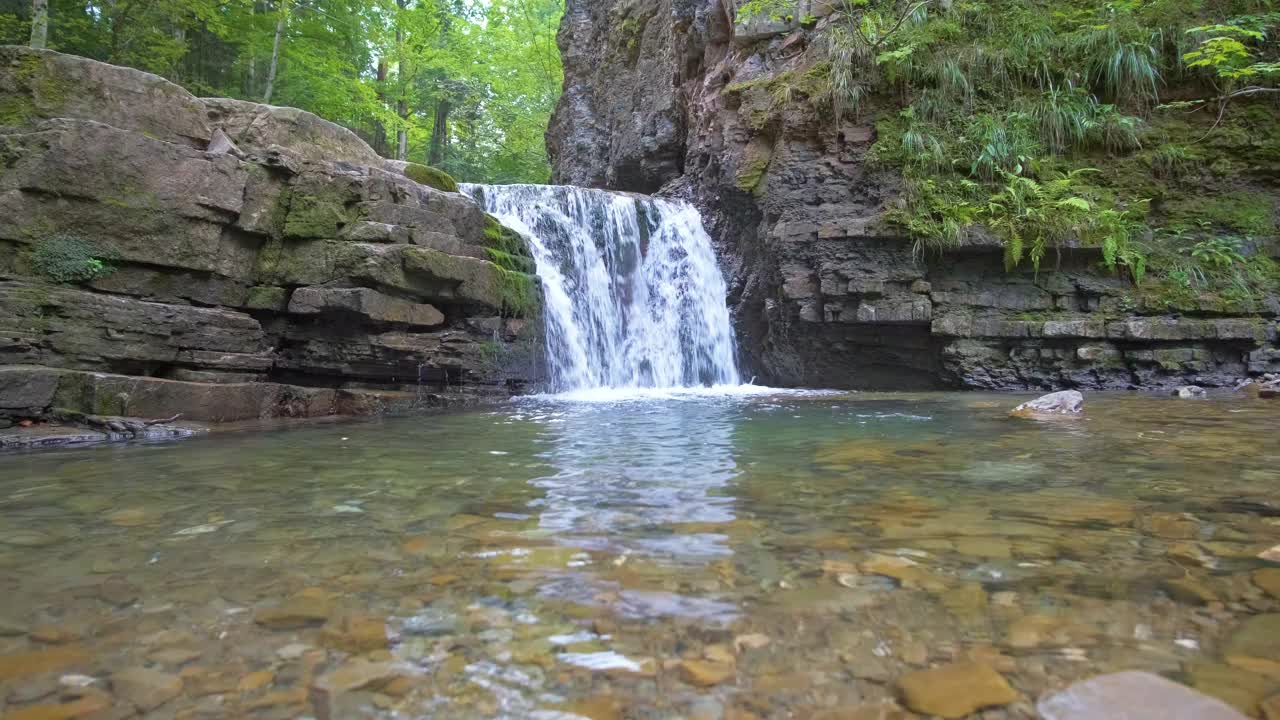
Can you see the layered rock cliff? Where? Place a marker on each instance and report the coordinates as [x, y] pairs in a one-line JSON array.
[[673, 94], [162, 254]]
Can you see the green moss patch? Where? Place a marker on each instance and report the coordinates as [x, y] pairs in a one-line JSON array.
[[431, 177], [521, 294], [507, 261], [320, 213]]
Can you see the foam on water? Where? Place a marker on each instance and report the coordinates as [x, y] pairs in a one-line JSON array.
[[634, 299]]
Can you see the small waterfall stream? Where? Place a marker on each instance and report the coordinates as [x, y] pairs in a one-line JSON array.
[[634, 298]]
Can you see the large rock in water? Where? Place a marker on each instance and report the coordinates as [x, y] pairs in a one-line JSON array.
[[286, 253], [1067, 402], [1133, 696]]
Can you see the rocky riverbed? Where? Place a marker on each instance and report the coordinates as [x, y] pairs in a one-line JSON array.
[[817, 556]]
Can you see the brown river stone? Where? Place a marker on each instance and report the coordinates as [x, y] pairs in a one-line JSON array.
[[954, 691]]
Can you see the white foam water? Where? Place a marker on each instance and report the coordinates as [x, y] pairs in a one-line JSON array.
[[633, 296]]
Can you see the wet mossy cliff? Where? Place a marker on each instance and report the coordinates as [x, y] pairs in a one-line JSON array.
[[164, 254], [829, 284]]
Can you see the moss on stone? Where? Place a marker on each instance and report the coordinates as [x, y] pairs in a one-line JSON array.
[[1246, 213], [521, 294], [317, 214], [16, 110], [507, 261], [500, 237], [431, 177], [266, 297]]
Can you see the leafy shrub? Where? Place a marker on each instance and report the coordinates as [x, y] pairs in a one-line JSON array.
[[69, 259]]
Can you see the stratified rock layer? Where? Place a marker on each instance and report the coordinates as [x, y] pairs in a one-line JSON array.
[[262, 261], [673, 94]]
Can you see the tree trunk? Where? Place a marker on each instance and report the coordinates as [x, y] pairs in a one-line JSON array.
[[380, 129], [39, 23], [282, 13], [251, 81], [439, 134], [402, 103]]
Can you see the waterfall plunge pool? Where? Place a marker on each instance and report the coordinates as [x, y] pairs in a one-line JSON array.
[[782, 555], [657, 540]]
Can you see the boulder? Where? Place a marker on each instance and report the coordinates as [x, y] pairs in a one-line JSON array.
[[258, 128], [147, 201], [1067, 402], [1133, 696], [26, 390], [36, 84], [1189, 391]]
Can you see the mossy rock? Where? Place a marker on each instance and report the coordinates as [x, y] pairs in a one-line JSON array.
[[507, 261], [500, 237], [431, 177], [317, 210], [267, 297], [521, 294]]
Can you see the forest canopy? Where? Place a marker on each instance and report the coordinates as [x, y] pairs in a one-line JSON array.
[[465, 85]]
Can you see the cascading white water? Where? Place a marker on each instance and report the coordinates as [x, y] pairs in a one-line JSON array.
[[634, 298]]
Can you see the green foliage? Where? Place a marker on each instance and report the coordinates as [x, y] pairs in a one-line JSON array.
[[1210, 272], [69, 259], [1007, 105], [431, 177], [1227, 49]]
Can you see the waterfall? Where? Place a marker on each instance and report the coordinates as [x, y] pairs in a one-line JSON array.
[[634, 298]]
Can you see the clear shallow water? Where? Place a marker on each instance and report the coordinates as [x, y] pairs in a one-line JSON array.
[[696, 556]]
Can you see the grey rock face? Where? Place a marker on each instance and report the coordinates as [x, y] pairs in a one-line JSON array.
[[246, 244], [676, 95]]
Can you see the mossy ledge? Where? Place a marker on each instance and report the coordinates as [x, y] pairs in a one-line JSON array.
[[431, 177]]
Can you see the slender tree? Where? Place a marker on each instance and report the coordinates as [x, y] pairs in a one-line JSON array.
[[282, 17], [39, 23], [402, 103]]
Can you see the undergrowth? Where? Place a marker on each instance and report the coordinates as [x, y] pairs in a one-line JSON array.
[[1006, 108], [70, 259]]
